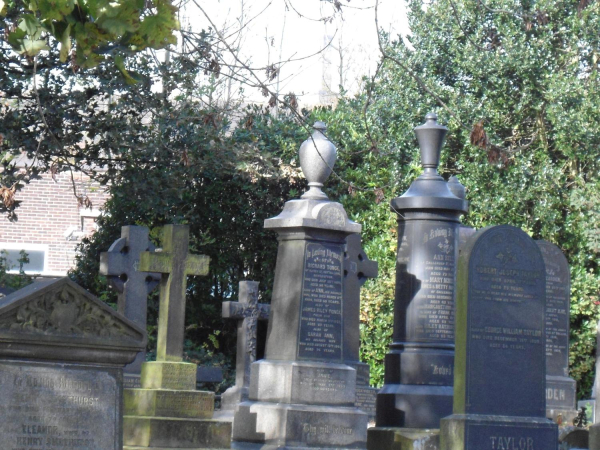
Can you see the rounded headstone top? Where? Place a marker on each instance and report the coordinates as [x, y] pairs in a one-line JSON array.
[[317, 158], [431, 136]]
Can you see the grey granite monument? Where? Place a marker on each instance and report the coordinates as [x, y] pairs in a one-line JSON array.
[[358, 268], [302, 394], [119, 264], [62, 353], [417, 389], [247, 312], [500, 363], [561, 393]]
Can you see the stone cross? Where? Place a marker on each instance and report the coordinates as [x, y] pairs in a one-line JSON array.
[[248, 312], [119, 265], [175, 264], [358, 268]]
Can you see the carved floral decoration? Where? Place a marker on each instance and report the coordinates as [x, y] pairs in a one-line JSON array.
[[65, 311]]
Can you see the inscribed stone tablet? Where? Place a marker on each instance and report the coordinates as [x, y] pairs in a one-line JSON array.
[[501, 326], [509, 436], [320, 332], [431, 310], [557, 309], [50, 406]]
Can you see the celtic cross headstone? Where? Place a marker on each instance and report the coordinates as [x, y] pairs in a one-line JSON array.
[[119, 264]]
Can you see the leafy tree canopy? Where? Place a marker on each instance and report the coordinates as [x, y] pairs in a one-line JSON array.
[[88, 30]]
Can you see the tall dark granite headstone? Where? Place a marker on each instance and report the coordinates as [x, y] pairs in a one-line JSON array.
[[500, 363], [302, 394], [419, 367], [62, 353], [358, 268], [561, 394]]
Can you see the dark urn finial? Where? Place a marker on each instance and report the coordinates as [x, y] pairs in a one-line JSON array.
[[431, 138]]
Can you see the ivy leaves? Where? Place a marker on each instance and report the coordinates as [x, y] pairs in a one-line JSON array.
[[89, 31]]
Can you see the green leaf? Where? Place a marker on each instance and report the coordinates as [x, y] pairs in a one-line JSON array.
[[120, 64], [65, 44], [31, 25], [32, 47]]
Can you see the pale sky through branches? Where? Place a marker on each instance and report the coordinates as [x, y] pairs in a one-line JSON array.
[[291, 30]]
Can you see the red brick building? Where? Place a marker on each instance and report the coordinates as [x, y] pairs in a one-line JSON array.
[[51, 222]]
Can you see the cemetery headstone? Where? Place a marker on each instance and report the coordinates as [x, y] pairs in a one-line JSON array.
[[417, 389], [62, 353], [247, 312], [168, 411], [119, 264], [500, 363], [302, 394], [560, 388], [358, 268]]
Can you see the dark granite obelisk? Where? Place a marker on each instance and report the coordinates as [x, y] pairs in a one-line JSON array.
[[419, 367], [500, 364], [302, 394], [561, 393]]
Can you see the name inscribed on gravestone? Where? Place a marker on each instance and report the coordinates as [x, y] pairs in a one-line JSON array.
[[432, 309], [320, 332], [506, 286], [45, 407]]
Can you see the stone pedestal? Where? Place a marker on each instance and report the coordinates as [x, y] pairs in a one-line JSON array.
[[168, 412], [476, 431], [403, 439], [302, 395]]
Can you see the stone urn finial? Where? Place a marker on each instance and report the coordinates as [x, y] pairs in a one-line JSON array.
[[431, 138], [317, 158]]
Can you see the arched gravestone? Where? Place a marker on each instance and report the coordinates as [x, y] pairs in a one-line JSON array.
[[500, 359], [560, 388]]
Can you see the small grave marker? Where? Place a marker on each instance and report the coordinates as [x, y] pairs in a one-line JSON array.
[[247, 312]]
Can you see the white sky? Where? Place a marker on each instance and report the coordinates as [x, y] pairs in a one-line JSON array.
[[275, 33]]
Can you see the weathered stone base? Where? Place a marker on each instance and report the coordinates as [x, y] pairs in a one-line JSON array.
[[169, 375], [383, 438], [302, 382], [169, 433], [127, 447], [168, 403], [413, 406], [472, 431], [271, 425]]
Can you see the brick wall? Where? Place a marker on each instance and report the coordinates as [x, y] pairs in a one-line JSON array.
[[51, 219]]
